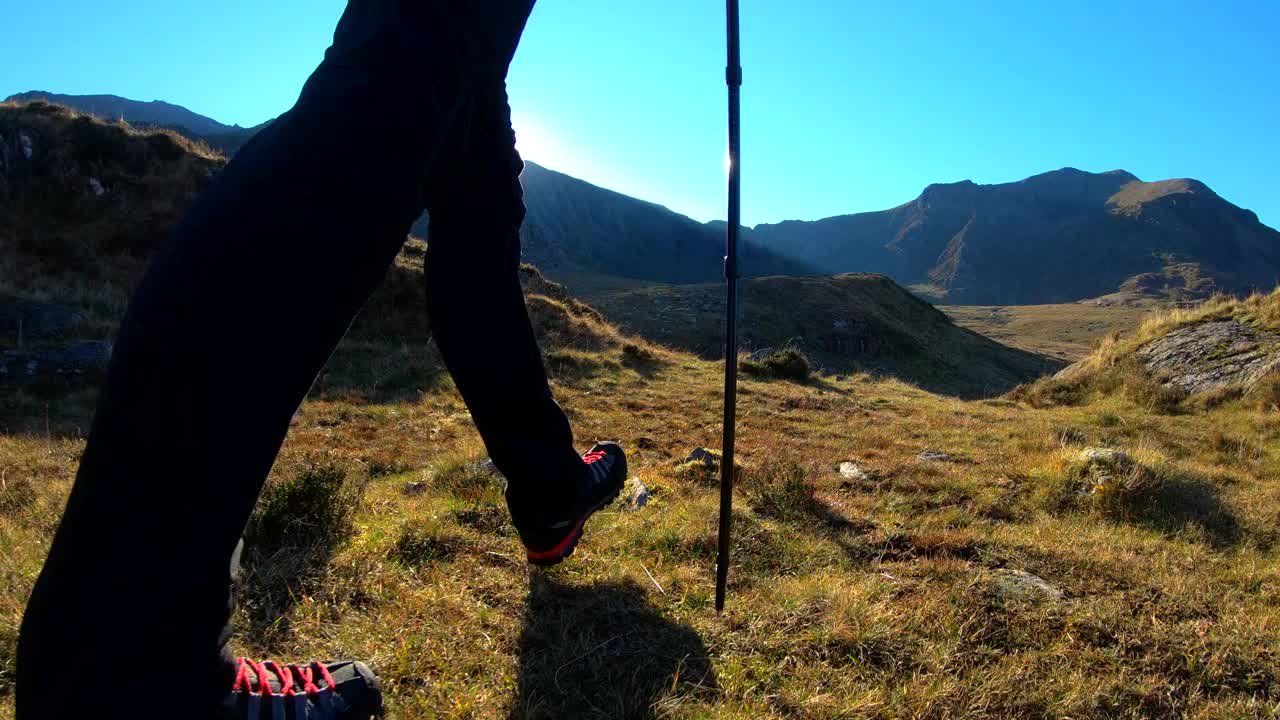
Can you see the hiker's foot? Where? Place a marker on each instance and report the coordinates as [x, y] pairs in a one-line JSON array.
[[344, 690], [606, 473]]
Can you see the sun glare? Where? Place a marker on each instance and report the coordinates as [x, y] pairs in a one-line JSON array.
[[535, 142]]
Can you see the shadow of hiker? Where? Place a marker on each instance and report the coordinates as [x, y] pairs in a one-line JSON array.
[[600, 651]]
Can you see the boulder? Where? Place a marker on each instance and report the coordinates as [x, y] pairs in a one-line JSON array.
[[934, 456], [1213, 356]]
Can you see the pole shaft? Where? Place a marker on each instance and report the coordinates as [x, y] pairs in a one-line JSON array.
[[733, 77]]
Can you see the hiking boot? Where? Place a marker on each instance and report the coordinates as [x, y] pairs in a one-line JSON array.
[[605, 474], [344, 690]]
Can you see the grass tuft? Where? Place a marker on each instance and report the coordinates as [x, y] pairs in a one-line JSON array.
[[781, 489], [787, 364], [314, 507]]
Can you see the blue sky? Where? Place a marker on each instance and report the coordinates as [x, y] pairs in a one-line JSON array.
[[848, 105]]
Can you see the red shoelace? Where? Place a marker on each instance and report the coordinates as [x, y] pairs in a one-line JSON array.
[[285, 673]]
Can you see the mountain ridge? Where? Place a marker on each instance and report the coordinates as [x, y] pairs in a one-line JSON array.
[[1007, 243], [1061, 236]]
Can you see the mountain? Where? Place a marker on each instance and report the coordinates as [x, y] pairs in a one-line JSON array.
[[114, 107], [224, 138], [573, 227], [846, 323], [1061, 236]]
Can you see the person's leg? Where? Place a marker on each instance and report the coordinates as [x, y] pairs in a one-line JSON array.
[[235, 317], [479, 319]]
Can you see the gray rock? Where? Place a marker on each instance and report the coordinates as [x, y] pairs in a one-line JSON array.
[[1021, 585], [934, 456], [640, 495], [95, 186], [414, 489], [850, 471], [701, 455], [1213, 356], [1109, 457], [78, 359]]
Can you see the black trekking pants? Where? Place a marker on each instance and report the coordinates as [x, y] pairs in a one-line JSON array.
[[237, 315]]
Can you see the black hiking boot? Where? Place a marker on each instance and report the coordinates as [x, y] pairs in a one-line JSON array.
[[605, 474], [344, 690]]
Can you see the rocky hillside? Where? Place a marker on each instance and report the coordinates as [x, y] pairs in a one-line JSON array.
[[83, 204], [1057, 237], [847, 323], [1222, 350]]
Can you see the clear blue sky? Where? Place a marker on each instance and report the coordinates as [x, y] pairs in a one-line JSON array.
[[849, 105]]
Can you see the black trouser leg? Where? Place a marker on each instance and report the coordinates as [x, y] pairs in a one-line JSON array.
[[220, 344], [479, 319]]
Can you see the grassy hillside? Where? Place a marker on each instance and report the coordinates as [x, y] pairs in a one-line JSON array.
[[849, 323], [885, 594], [1239, 356], [80, 217]]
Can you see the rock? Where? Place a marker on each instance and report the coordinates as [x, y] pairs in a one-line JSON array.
[[701, 455], [96, 187], [850, 471], [484, 467], [1021, 585], [78, 359], [35, 320], [640, 495], [1213, 356], [414, 489], [1117, 459], [646, 443], [934, 456], [28, 147]]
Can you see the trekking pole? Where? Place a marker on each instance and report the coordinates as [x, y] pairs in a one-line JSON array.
[[733, 77]]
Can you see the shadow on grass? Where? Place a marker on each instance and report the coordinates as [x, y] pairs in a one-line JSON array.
[[1184, 502], [600, 651]]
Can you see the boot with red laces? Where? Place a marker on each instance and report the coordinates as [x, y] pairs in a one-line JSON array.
[[604, 474], [343, 690]]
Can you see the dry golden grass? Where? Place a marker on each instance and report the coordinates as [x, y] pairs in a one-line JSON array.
[[847, 599], [1067, 331]]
